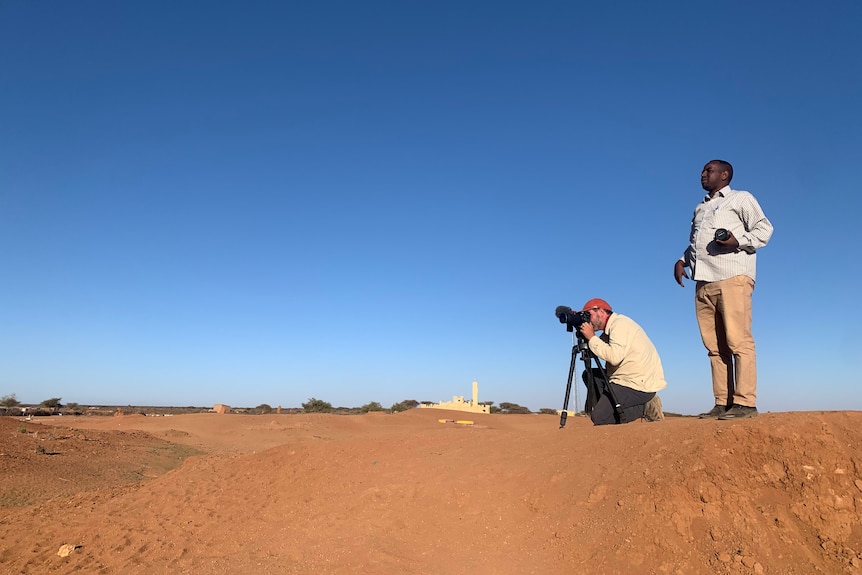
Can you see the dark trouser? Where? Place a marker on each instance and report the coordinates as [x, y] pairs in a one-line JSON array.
[[600, 407]]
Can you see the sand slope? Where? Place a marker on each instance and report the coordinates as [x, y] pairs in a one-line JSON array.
[[396, 494]]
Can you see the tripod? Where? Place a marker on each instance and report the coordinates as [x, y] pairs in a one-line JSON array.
[[580, 345]]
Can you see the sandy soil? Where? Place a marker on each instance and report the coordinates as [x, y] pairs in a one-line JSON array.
[[406, 494]]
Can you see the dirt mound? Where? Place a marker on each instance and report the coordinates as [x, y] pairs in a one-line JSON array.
[[407, 493], [39, 462]]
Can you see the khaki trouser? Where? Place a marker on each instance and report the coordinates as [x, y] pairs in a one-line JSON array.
[[724, 316]]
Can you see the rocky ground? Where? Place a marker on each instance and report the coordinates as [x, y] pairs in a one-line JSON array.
[[408, 494]]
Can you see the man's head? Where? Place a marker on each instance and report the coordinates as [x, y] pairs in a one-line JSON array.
[[715, 175], [600, 311]]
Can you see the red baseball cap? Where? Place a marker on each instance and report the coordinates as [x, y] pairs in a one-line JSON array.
[[596, 302]]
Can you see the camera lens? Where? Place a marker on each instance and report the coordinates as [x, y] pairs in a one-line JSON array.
[[721, 234]]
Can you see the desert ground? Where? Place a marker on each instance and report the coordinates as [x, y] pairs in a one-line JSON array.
[[406, 494]]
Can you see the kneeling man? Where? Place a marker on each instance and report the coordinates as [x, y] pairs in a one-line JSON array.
[[633, 368]]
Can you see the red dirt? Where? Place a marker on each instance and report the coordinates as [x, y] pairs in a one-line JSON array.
[[405, 494]]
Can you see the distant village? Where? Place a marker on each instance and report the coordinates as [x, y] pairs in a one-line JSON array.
[[10, 406]]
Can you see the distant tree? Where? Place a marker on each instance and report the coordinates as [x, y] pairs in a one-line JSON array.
[[507, 407], [495, 409], [53, 403], [548, 411], [9, 401], [317, 406], [404, 405], [373, 406], [73, 408], [489, 403], [263, 409]]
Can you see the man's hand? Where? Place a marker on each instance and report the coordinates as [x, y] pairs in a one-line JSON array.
[[679, 272], [731, 242], [587, 330]]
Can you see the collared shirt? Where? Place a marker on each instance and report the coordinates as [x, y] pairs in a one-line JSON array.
[[632, 359], [738, 212]]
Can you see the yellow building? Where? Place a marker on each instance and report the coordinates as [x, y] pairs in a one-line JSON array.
[[458, 403]]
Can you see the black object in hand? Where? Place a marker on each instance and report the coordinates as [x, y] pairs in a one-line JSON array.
[[721, 234]]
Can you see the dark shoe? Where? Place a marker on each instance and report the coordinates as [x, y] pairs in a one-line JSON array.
[[739, 412], [652, 409], [713, 413]]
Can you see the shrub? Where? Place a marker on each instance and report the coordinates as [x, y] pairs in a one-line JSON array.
[[507, 407], [9, 401], [317, 406], [404, 405], [53, 403]]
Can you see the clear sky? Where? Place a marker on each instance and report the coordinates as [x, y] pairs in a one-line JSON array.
[[264, 202]]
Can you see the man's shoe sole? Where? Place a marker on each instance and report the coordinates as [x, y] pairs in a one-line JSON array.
[[713, 413], [736, 415]]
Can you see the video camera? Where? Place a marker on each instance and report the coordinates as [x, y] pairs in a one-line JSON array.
[[571, 318]]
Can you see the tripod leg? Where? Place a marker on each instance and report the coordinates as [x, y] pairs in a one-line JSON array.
[[564, 413], [594, 388], [605, 386], [597, 380]]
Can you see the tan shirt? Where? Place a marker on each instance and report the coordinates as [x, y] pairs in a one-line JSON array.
[[632, 359]]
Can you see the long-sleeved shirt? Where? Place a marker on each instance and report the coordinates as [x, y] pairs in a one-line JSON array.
[[738, 212], [632, 359]]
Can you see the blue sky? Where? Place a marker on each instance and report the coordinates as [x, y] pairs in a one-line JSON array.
[[263, 202]]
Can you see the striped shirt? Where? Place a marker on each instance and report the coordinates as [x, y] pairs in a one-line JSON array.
[[738, 212]]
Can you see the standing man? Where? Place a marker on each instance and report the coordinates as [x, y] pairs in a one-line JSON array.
[[727, 229]]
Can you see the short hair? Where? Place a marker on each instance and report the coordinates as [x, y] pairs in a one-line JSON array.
[[725, 167]]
